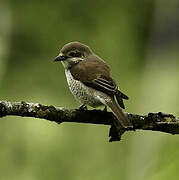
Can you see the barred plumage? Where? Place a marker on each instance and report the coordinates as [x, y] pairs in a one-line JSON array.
[[84, 94]]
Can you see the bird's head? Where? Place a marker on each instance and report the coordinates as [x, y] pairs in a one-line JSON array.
[[72, 53]]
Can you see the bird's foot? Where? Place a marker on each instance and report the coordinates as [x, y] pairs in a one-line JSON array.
[[83, 107], [105, 109]]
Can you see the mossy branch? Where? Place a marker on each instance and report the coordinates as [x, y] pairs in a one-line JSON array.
[[153, 121]]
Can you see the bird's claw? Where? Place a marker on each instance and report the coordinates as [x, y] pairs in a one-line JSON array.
[[105, 109], [83, 107]]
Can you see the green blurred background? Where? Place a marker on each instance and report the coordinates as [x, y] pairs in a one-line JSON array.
[[138, 39]]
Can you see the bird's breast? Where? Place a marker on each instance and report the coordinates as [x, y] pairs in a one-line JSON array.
[[84, 94]]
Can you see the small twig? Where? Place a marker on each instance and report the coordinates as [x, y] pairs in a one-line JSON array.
[[153, 121]]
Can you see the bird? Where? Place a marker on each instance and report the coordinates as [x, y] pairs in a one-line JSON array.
[[90, 81]]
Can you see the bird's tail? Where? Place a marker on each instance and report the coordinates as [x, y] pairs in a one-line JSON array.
[[120, 96], [124, 121]]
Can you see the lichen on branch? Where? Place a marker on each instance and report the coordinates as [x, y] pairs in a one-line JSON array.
[[163, 122]]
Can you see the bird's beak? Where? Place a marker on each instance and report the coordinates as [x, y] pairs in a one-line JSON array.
[[60, 58]]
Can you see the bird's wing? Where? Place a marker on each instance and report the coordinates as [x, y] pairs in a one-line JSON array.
[[93, 72]]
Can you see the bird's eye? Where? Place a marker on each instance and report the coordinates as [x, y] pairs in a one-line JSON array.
[[74, 54]]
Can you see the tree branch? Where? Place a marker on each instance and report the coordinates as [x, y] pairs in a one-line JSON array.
[[153, 121]]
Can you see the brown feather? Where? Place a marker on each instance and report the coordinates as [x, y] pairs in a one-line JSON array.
[[124, 121], [120, 96], [94, 73]]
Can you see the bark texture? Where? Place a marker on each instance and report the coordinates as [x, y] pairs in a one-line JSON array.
[[163, 122]]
